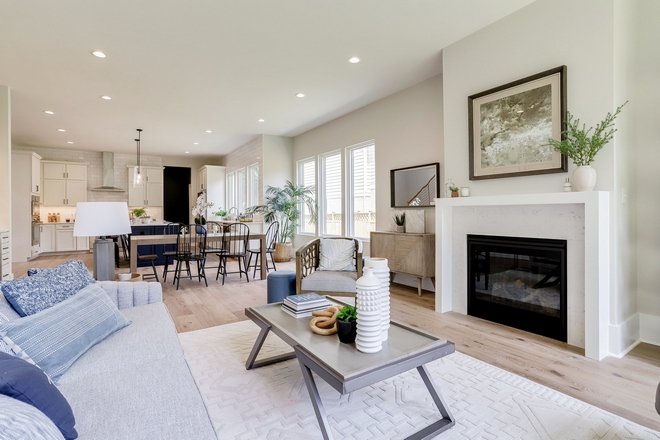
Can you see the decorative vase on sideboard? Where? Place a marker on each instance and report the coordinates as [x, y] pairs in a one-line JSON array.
[[400, 228], [584, 178]]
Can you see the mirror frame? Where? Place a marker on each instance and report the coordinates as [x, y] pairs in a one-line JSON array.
[[393, 185]]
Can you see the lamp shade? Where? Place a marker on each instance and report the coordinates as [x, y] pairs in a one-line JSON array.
[[96, 219]]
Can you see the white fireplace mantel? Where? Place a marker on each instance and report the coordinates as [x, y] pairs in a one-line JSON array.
[[596, 253]]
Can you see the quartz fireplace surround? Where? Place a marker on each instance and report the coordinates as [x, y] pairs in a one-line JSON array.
[[579, 219]]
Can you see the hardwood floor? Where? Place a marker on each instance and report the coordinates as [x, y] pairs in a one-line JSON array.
[[625, 387]]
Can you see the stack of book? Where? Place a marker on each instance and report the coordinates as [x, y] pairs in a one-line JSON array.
[[303, 305]]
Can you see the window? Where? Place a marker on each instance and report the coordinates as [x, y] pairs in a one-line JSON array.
[[241, 190], [253, 185], [306, 177], [330, 201], [361, 190], [231, 193]]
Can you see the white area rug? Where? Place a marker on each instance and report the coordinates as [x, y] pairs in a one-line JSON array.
[[272, 402]]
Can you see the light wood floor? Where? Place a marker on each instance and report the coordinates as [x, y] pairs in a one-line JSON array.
[[625, 387]]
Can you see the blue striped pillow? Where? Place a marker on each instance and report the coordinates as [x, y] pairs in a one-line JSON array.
[[20, 420], [54, 338]]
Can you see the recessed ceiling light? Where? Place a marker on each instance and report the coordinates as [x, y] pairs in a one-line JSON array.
[[208, 131], [69, 142], [61, 129], [195, 143], [106, 97], [300, 95], [354, 60], [48, 112], [261, 120], [187, 152], [98, 53]]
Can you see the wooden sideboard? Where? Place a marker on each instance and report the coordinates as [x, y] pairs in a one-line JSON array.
[[411, 254]]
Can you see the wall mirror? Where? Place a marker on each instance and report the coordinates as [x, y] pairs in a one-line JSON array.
[[415, 186]]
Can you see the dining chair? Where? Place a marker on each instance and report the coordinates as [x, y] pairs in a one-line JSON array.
[[271, 239], [214, 245], [151, 258], [190, 245], [170, 249], [235, 239]]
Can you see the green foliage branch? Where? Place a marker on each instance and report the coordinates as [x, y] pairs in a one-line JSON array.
[[580, 144], [283, 205], [347, 314]]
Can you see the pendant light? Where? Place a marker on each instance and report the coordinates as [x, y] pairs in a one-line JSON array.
[[137, 176]]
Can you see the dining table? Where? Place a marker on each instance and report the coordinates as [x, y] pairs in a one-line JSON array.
[[141, 240]]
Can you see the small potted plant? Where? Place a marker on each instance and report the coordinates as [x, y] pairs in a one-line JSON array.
[[454, 191], [347, 324], [400, 221], [220, 213], [138, 213]]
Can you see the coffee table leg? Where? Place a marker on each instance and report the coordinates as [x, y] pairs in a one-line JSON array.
[[441, 425], [316, 402], [252, 358]]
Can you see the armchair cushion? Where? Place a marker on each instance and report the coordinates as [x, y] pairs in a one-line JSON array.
[[336, 255], [330, 281]]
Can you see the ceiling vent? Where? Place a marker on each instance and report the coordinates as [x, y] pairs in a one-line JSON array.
[[108, 174]]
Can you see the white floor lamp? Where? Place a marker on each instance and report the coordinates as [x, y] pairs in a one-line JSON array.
[[102, 219]]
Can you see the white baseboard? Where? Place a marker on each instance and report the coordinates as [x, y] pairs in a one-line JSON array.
[[624, 336], [650, 328]]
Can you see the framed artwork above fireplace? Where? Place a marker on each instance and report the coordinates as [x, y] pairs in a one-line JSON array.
[[509, 127]]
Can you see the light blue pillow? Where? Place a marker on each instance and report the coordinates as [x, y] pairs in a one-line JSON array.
[[47, 287], [54, 338], [20, 420]]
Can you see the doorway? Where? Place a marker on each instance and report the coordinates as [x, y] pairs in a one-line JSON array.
[[176, 203]]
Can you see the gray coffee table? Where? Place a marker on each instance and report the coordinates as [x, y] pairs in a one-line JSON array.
[[344, 367]]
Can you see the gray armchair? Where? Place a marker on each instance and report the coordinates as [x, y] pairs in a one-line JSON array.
[[309, 279]]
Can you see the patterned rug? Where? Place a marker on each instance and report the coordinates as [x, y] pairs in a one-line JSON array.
[[488, 403]]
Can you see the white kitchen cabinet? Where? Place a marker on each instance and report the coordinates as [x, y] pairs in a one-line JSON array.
[[64, 239], [5, 257], [212, 180], [47, 238], [64, 184], [150, 193], [82, 243], [35, 174]]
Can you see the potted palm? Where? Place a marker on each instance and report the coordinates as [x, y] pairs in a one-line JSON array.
[[284, 205], [581, 145]]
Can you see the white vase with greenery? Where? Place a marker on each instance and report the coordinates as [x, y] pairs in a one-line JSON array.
[[581, 146]]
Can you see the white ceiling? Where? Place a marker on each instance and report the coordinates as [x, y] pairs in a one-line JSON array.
[[178, 68]]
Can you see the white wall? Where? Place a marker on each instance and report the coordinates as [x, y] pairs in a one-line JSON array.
[[277, 160], [648, 177], [407, 130], [5, 158]]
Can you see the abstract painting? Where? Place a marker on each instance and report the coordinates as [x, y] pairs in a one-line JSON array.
[[510, 126]]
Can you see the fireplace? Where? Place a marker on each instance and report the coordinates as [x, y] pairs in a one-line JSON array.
[[519, 282]]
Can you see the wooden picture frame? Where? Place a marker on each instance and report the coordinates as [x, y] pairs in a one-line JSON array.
[[509, 127]]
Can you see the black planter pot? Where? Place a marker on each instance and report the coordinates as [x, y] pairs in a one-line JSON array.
[[346, 331]]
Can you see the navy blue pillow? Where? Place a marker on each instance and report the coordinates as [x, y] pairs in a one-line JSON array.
[[27, 383]]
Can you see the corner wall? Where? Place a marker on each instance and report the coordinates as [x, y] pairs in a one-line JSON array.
[[5, 158]]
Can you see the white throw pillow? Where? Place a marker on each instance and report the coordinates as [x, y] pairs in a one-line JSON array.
[[337, 254]]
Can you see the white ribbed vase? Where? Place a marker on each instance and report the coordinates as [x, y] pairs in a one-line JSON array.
[[369, 319], [382, 271]]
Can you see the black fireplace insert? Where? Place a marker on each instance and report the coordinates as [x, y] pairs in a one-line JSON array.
[[519, 282]]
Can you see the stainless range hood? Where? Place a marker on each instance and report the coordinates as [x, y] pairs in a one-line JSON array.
[[108, 174]]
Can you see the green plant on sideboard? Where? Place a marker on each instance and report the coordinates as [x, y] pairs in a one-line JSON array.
[[400, 219]]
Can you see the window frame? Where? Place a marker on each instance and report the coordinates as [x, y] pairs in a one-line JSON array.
[[322, 208], [251, 186], [238, 172], [349, 203], [230, 188], [300, 181]]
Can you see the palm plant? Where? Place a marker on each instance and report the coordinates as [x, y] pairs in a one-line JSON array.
[[283, 205]]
